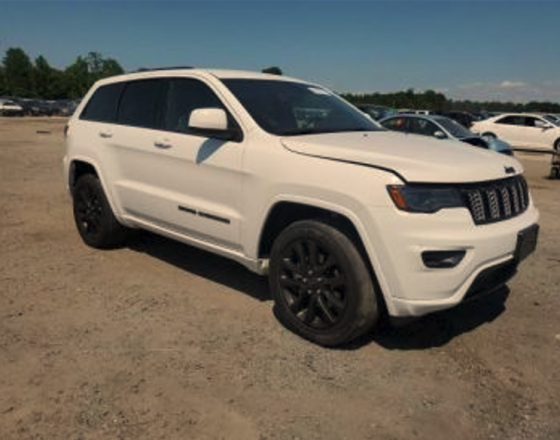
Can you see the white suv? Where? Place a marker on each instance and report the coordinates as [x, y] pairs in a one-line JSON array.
[[348, 220]]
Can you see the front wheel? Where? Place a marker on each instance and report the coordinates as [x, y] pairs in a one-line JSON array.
[[557, 146], [94, 218], [488, 136], [321, 286]]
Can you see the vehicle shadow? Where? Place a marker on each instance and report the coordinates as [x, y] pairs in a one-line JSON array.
[[201, 263], [439, 328], [431, 331]]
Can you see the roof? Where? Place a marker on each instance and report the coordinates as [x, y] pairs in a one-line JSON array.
[[188, 71]]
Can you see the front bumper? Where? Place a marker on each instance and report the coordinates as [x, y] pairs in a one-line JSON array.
[[397, 240]]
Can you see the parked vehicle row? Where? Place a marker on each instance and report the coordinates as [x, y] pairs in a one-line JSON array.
[[441, 127], [36, 107], [10, 108], [499, 132]]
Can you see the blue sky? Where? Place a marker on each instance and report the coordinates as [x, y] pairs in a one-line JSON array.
[[478, 49]]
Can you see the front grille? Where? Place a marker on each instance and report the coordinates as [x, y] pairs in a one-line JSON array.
[[492, 202]]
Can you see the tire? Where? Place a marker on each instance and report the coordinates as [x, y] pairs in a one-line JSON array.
[[557, 146], [321, 286], [489, 136], [94, 218]]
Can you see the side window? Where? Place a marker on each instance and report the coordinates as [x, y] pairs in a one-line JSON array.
[[423, 127], [186, 95], [534, 122], [510, 120], [140, 103], [396, 124], [102, 106]]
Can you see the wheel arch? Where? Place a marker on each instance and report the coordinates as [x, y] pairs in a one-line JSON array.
[[284, 213], [78, 168]]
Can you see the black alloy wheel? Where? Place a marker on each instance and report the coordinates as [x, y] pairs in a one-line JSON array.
[[313, 284], [88, 211], [93, 216], [321, 285]]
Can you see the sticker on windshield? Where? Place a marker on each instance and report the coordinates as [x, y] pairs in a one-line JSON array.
[[318, 91]]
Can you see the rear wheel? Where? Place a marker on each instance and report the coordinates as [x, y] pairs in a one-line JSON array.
[[322, 288], [94, 218]]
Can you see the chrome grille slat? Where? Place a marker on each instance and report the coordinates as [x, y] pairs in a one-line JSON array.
[[506, 204], [497, 201], [493, 204]]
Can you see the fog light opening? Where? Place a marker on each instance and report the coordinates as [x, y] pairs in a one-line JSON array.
[[442, 259]]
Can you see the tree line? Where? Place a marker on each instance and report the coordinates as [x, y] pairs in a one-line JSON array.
[[431, 100], [22, 77], [25, 78]]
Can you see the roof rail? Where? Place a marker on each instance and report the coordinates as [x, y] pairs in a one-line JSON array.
[[152, 69]]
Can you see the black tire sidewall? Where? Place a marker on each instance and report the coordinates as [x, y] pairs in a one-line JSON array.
[[111, 233], [361, 311]]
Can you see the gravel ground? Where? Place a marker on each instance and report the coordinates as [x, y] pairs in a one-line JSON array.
[[162, 341]]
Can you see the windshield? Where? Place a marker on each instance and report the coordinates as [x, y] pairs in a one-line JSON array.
[[287, 108], [454, 128], [552, 119]]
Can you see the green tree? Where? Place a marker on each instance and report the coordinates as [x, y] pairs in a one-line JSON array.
[[77, 79], [85, 71], [43, 77], [100, 67], [3, 90], [273, 70], [18, 73]]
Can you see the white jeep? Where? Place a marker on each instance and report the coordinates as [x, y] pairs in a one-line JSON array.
[[348, 220]]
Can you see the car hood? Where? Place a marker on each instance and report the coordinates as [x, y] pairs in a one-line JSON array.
[[412, 157]]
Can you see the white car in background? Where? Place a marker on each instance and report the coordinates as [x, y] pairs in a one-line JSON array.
[[521, 130], [10, 108]]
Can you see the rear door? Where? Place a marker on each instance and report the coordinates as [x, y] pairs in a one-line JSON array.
[[133, 161]]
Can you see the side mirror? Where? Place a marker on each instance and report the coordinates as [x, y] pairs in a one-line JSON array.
[[440, 135], [212, 123]]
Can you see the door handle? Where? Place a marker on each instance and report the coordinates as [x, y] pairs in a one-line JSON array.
[[162, 145], [105, 135]]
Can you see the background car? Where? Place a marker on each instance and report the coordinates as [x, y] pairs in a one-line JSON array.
[[377, 112], [466, 119], [526, 131], [552, 118], [35, 107], [10, 108], [442, 127]]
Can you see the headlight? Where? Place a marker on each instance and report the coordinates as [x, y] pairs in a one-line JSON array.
[[423, 198]]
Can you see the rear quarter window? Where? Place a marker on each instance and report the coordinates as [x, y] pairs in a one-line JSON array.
[[102, 106]]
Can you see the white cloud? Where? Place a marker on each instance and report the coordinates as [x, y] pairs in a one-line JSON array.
[[512, 84], [508, 90]]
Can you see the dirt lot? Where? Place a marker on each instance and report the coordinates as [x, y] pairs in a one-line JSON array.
[[163, 341]]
